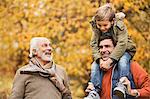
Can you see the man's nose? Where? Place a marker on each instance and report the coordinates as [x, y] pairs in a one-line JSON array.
[[49, 48], [103, 49]]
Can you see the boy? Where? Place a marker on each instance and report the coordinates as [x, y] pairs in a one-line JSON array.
[[106, 21]]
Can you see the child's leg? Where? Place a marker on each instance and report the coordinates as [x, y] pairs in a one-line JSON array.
[[124, 65], [124, 71], [96, 76]]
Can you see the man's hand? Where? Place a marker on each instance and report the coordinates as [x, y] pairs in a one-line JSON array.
[[126, 82], [90, 87], [105, 65]]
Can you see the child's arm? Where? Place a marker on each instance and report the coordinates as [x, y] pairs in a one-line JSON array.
[[94, 40], [122, 39]]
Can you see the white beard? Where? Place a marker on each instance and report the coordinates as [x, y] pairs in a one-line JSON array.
[[47, 58]]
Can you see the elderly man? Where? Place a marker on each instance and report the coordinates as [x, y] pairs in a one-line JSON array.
[[137, 84], [41, 78]]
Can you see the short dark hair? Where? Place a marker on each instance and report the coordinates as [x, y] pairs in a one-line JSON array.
[[107, 36]]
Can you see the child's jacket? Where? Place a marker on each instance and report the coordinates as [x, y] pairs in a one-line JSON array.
[[120, 35]]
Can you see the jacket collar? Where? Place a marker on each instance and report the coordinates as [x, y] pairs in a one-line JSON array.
[[35, 67]]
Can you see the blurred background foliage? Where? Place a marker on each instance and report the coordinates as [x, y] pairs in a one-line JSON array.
[[66, 24]]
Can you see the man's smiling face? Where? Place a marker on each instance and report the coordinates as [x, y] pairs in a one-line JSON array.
[[106, 47], [44, 50]]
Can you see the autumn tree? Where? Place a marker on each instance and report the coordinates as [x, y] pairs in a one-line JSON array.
[[66, 24]]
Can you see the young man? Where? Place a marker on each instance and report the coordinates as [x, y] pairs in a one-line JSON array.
[[137, 84], [41, 78]]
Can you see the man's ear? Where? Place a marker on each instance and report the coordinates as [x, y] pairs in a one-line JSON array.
[[34, 51]]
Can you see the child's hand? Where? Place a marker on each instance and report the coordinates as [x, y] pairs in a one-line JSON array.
[[105, 65]]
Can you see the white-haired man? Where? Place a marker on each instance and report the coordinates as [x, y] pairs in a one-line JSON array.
[[41, 78]]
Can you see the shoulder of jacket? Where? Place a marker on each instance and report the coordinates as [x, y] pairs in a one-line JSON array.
[[119, 24], [119, 16], [119, 20], [59, 67], [93, 22], [134, 64], [23, 67]]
